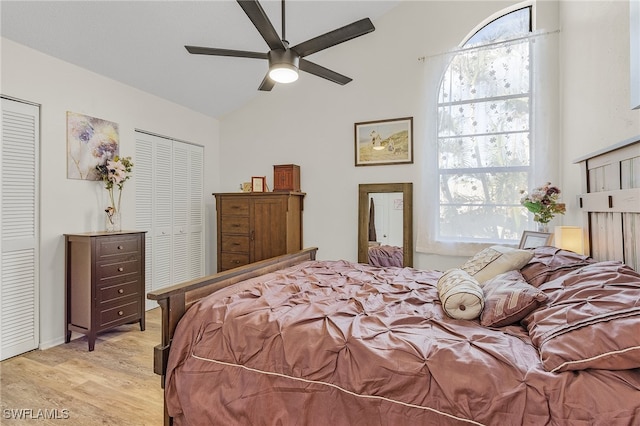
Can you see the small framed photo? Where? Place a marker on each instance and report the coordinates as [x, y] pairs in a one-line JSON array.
[[531, 239], [258, 184], [384, 142]]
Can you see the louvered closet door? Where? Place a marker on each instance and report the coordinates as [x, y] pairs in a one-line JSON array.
[[19, 223], [180, 211], [170, 207], [143, 161], [196, 212]]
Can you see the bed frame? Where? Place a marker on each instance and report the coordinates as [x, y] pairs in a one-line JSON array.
[[175, 300]]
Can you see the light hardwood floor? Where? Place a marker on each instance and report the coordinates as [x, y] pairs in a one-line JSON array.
[[113, 385]]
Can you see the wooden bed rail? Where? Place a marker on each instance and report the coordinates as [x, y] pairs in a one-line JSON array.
[[175, 300]]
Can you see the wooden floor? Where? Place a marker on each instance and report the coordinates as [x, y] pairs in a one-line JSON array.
[[113, 385]]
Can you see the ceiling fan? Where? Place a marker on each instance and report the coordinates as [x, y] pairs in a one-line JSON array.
[[284, 61]]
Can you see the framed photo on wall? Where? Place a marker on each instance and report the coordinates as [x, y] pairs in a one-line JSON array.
[[384, 142], [531, 239]]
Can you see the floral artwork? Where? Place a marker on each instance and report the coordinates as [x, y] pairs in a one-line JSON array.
[[90, 141], [543, 203]]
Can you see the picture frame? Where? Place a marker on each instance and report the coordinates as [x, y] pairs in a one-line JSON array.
[[258, 184], [533, 239], [384, 142]]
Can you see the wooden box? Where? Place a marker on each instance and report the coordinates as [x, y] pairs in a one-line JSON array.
[[286, 177]]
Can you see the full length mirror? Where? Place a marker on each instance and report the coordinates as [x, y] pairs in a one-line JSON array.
[[385, 224]]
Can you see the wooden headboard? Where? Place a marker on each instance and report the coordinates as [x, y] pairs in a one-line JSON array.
[[610, 201]]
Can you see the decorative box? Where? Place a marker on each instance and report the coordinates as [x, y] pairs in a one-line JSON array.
[[286, 177]]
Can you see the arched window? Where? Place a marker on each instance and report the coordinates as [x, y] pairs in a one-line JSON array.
[[484, 138]]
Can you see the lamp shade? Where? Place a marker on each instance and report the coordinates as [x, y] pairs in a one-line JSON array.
[[569, 238]]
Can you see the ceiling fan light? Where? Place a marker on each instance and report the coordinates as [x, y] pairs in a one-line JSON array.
[[283, 65], [283, 73]]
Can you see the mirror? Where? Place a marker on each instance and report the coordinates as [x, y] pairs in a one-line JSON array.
[[383, 206]]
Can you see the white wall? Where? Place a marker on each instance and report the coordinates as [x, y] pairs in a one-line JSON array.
[[69, 206], [310, 122], [594, 63]]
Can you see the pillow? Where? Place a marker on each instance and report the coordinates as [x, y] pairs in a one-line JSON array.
[[549, 263], [508, 299], [460, 295], [591, 319], [495, 260]]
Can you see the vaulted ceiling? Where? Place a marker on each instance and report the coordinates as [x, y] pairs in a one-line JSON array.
[[141, 43]]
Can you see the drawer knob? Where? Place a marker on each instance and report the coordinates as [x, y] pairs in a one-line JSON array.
[[120, 247], [236, 261], [120, 269], [120, 290], [121, 313]]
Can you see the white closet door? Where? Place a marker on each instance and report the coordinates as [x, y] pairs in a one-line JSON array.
[[143, 178], [196, 212], [19, 203], [180, 211], [162, 213], [170, 207]]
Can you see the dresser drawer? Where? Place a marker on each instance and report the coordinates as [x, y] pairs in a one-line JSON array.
[[235, 243], [234, 206], [234, 225], [110, 293], [110, 271], [233, 260], [120, 314], [119, 245]]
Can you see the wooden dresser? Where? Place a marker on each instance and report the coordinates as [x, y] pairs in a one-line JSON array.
[[105, 281], [256, 226]]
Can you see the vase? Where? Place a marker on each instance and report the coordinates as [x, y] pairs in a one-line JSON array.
[[113, 223], [542, 227]]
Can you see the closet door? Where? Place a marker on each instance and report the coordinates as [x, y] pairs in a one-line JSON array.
[[170, 207], [19, 224], [162, 229], [180, 211], [196, 212], [143, 176]]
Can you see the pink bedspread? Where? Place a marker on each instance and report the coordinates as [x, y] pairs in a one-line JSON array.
[[337, 343]]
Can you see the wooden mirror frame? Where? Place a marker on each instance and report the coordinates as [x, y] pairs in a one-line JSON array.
[[364, 190]]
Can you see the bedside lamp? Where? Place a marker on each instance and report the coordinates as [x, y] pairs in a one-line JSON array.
[[569, 238]]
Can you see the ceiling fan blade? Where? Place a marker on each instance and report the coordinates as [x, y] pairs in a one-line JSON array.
[[346, 33], [323, 72], [196, 50], [262, 23], [267, 84]]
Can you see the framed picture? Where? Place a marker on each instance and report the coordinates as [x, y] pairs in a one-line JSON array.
[[384, 142], [531, 239], [90, 141], [258, 184]]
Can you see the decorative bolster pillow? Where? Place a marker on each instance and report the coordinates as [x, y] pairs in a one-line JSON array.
[[460, 294]]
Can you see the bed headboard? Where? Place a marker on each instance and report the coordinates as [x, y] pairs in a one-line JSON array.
[[610, 201]]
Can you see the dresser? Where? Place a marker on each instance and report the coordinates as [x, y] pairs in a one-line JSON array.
[[104, 282], [257, 226]]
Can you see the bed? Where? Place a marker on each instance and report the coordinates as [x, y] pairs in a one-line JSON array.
[[536, 336]]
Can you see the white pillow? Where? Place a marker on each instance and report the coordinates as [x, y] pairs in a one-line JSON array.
[[460, 295], [494, 261]]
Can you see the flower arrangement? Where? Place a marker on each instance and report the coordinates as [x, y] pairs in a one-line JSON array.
[[114, 173], [543, 203]]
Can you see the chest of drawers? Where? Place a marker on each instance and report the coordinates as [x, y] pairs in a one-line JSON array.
[[257, 226], [104, 282]]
